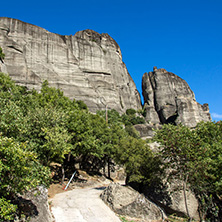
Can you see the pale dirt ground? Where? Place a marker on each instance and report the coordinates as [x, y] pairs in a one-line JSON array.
[[81, 205]]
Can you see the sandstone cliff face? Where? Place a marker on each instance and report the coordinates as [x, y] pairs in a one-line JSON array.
[[87, 66], [169, 99]]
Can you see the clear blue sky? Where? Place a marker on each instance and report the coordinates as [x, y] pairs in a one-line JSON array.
[[182, 36]]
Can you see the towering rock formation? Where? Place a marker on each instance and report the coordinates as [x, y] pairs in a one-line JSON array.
[[87, 66], [169, 99]]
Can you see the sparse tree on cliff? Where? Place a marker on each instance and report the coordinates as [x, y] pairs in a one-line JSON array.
[[2, 55]]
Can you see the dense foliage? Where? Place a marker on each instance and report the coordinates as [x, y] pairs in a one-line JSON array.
[[41, 128], [37, 129], [195, 157]]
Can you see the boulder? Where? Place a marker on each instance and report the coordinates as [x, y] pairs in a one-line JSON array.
[[170, 197], [169, 99], [146, 130], [86, 66], [128, 202], [35, 205]]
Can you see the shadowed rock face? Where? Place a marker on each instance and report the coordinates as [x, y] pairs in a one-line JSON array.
[[169, 99], [35, 205], [87, 66]]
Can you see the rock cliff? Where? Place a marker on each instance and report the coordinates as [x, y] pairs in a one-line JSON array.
[[169, 99], [87, 66]]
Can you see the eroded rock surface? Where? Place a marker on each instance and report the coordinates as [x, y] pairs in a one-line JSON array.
[[87, 66], [35, 205], [170, 197], [126, 201], [146, 131], [169, 99]]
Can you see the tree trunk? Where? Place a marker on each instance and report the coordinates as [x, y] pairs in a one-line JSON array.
[[109, 168], [63, 175], [185, 197]]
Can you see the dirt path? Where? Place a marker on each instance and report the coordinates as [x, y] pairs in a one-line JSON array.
[[81, 205]]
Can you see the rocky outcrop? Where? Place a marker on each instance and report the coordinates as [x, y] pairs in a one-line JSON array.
[[128, 202], [87, 66], [171, 198], [146, 131], [169, 99], [34, 205]]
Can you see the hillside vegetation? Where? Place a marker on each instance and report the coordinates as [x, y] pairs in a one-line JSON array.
[[38, 129], [41, 128]]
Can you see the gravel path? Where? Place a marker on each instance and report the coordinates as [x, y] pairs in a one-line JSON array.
[[82, 205]]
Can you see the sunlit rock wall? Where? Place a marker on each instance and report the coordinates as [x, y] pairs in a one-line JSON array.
[[87, 66], [169, 99]]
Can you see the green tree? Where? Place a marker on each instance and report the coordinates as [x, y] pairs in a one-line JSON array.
[[47, 134], [2, 55], [194, 157], [8, 89], [82, 105], [87, 136], [130, 118], [209, 187], [141, 164], [7, 210], [179, 153], [112, 116], [50, 96], [19, 171], [130, 112]]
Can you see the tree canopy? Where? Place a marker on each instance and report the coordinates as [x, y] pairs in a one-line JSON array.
[[195, 157], [41, 128]]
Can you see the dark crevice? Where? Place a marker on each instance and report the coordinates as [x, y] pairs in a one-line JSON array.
[[13, 47], [172, 119], [92, 72]]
